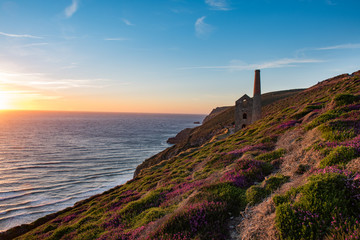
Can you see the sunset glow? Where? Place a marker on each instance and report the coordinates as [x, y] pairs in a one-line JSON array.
[[168, 57], [4, 102]]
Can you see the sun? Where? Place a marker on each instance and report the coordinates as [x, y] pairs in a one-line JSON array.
[[4, 102]]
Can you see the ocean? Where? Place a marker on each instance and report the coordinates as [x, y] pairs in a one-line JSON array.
[[51, 160]]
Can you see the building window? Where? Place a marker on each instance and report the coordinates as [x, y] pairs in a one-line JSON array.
[[244, 102], [243, 126], [244, 116]]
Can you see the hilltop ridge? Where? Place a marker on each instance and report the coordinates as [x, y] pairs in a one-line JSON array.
[[294, 174]]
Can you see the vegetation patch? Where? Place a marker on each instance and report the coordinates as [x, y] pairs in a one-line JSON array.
[[340, 155], [256, 193], [344, 99], [308, 212], [232, 196], [340, 130], [323, 118], [206, 220], [270, 156], [246, 172], [153, 199]]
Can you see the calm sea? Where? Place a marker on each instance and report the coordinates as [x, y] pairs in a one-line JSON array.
[[50, 160]]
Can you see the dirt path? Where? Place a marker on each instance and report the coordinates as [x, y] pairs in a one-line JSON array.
[[258, 222]]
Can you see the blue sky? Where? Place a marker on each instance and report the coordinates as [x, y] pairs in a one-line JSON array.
[[174, 56]]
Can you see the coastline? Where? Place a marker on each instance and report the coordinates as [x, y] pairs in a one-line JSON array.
[[97, 161]]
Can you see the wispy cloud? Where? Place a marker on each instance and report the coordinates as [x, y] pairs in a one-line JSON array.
[[34, 95], [221, 5], [202, 29], [341, 46], [42, 81], [34, 45], [18, 35], [116, 39], [240, 66], [127, 22], [71, 9]]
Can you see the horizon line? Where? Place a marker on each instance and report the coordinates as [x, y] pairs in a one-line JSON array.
[[84, 111]]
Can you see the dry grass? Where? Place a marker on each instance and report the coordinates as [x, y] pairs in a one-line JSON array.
[[354, 165], [258, 222]]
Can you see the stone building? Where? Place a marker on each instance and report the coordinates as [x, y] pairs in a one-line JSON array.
[[248, 110]]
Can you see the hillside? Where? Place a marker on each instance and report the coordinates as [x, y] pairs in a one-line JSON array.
[[294, 174], [213, 128]]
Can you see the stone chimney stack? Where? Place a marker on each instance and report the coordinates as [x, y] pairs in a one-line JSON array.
[[257, 89], [256, 114]]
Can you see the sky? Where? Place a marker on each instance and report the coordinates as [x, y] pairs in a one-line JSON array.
[[168, 56]]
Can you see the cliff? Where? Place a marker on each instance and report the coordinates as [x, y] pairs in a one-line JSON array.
[[220, 122], [294, 174]]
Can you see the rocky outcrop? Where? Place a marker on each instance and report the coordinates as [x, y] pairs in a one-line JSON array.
[[180, 137]]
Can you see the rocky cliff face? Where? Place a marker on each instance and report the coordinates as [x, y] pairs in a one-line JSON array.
[[294, 174], [180, 137]]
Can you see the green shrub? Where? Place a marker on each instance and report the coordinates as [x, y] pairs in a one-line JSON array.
[[233, 197], [306, 213], [206, 220], [287, 197], [344, 99], [323, 193], [268, 157], [49, 228], [322, 119], [338, 130], [149, 215], [153, 199], [255, 194], [313, 107], [274, 182], [340, 155], [61, 231]]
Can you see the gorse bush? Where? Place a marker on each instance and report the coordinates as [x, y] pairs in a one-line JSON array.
[[340, 155]]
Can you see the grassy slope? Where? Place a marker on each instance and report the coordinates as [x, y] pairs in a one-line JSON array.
[[214, 126], [192, 195]]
